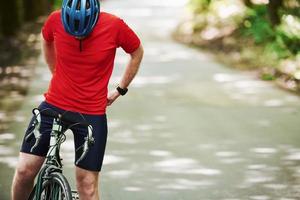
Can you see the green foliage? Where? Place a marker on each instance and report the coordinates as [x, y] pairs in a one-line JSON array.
[[57, 4], [279, 42], [275, 50], [288, 33], [269, 32], [257, 26], [267, 77]]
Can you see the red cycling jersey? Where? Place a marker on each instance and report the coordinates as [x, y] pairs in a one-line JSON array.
[[83, 68]]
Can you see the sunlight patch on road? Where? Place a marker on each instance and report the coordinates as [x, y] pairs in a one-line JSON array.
[[112, 159], [259, 179], [177, 163], [10, 161], [275, 186], [160, 153], [204, 171], [257, 166], [175, 55], [221, 77], [160, 118], [184, 166], [293, 156], [207, 146], [2, 115], [144, 127], [185, 184], [264, 123], [20, 118], [119, 173], [125, 136], [260, 197], [5, 151], [232, 160], [264, 150], [226, 153], [132, 189], [6, 136], [113, 124], [273, 103]]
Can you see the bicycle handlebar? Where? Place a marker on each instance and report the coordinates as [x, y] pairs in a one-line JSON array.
[[36, 130], [66, 117]]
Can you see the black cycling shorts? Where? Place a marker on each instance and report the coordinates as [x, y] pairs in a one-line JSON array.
[[94, 158]]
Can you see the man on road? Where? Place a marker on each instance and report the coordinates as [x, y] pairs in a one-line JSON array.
[[79, 45]]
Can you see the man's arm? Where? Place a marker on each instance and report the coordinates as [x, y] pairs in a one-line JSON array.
[[130, 72], [49, 54]]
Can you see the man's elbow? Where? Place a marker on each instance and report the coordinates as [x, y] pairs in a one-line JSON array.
[[138, 53]]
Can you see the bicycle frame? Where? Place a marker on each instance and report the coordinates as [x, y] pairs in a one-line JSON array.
[[53, 161], [53, 157]]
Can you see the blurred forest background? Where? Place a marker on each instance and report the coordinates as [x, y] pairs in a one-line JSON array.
[[248, 34], [19, 18], [15, 12], [20, 26]]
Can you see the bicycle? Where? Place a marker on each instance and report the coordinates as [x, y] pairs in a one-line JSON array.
[[51, 184]]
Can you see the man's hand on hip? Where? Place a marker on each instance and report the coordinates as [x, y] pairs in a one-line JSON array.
[[112, 96], [130, 72]]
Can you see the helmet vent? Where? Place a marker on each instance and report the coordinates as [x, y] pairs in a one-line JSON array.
[[88, 5], [70, 3], [78, 5], [68, 18], [76, 24]]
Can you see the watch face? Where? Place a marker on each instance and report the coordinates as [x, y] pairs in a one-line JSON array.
[[122, 91]]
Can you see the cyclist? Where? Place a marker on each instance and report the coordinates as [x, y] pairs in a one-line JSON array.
[[79, 45]]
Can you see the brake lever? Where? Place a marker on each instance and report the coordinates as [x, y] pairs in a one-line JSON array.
[[89, 141], [36, 130]]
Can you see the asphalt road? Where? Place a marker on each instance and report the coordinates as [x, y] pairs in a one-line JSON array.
[[189, 128]]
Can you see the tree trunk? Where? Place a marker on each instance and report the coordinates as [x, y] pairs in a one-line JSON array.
[[10, 17], [273, 8], [34, 8]]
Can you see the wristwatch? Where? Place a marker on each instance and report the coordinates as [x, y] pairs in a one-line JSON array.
[[122, 91]]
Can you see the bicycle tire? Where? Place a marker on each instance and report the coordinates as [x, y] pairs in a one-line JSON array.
[[55, 187]]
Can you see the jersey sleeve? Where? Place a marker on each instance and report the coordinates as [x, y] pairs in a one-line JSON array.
[[47, 30], [127, 38]]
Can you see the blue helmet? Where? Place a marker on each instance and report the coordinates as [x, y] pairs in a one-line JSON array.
[[79, 17]]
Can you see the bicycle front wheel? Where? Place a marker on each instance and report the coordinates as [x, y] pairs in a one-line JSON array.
[[55, 187]]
